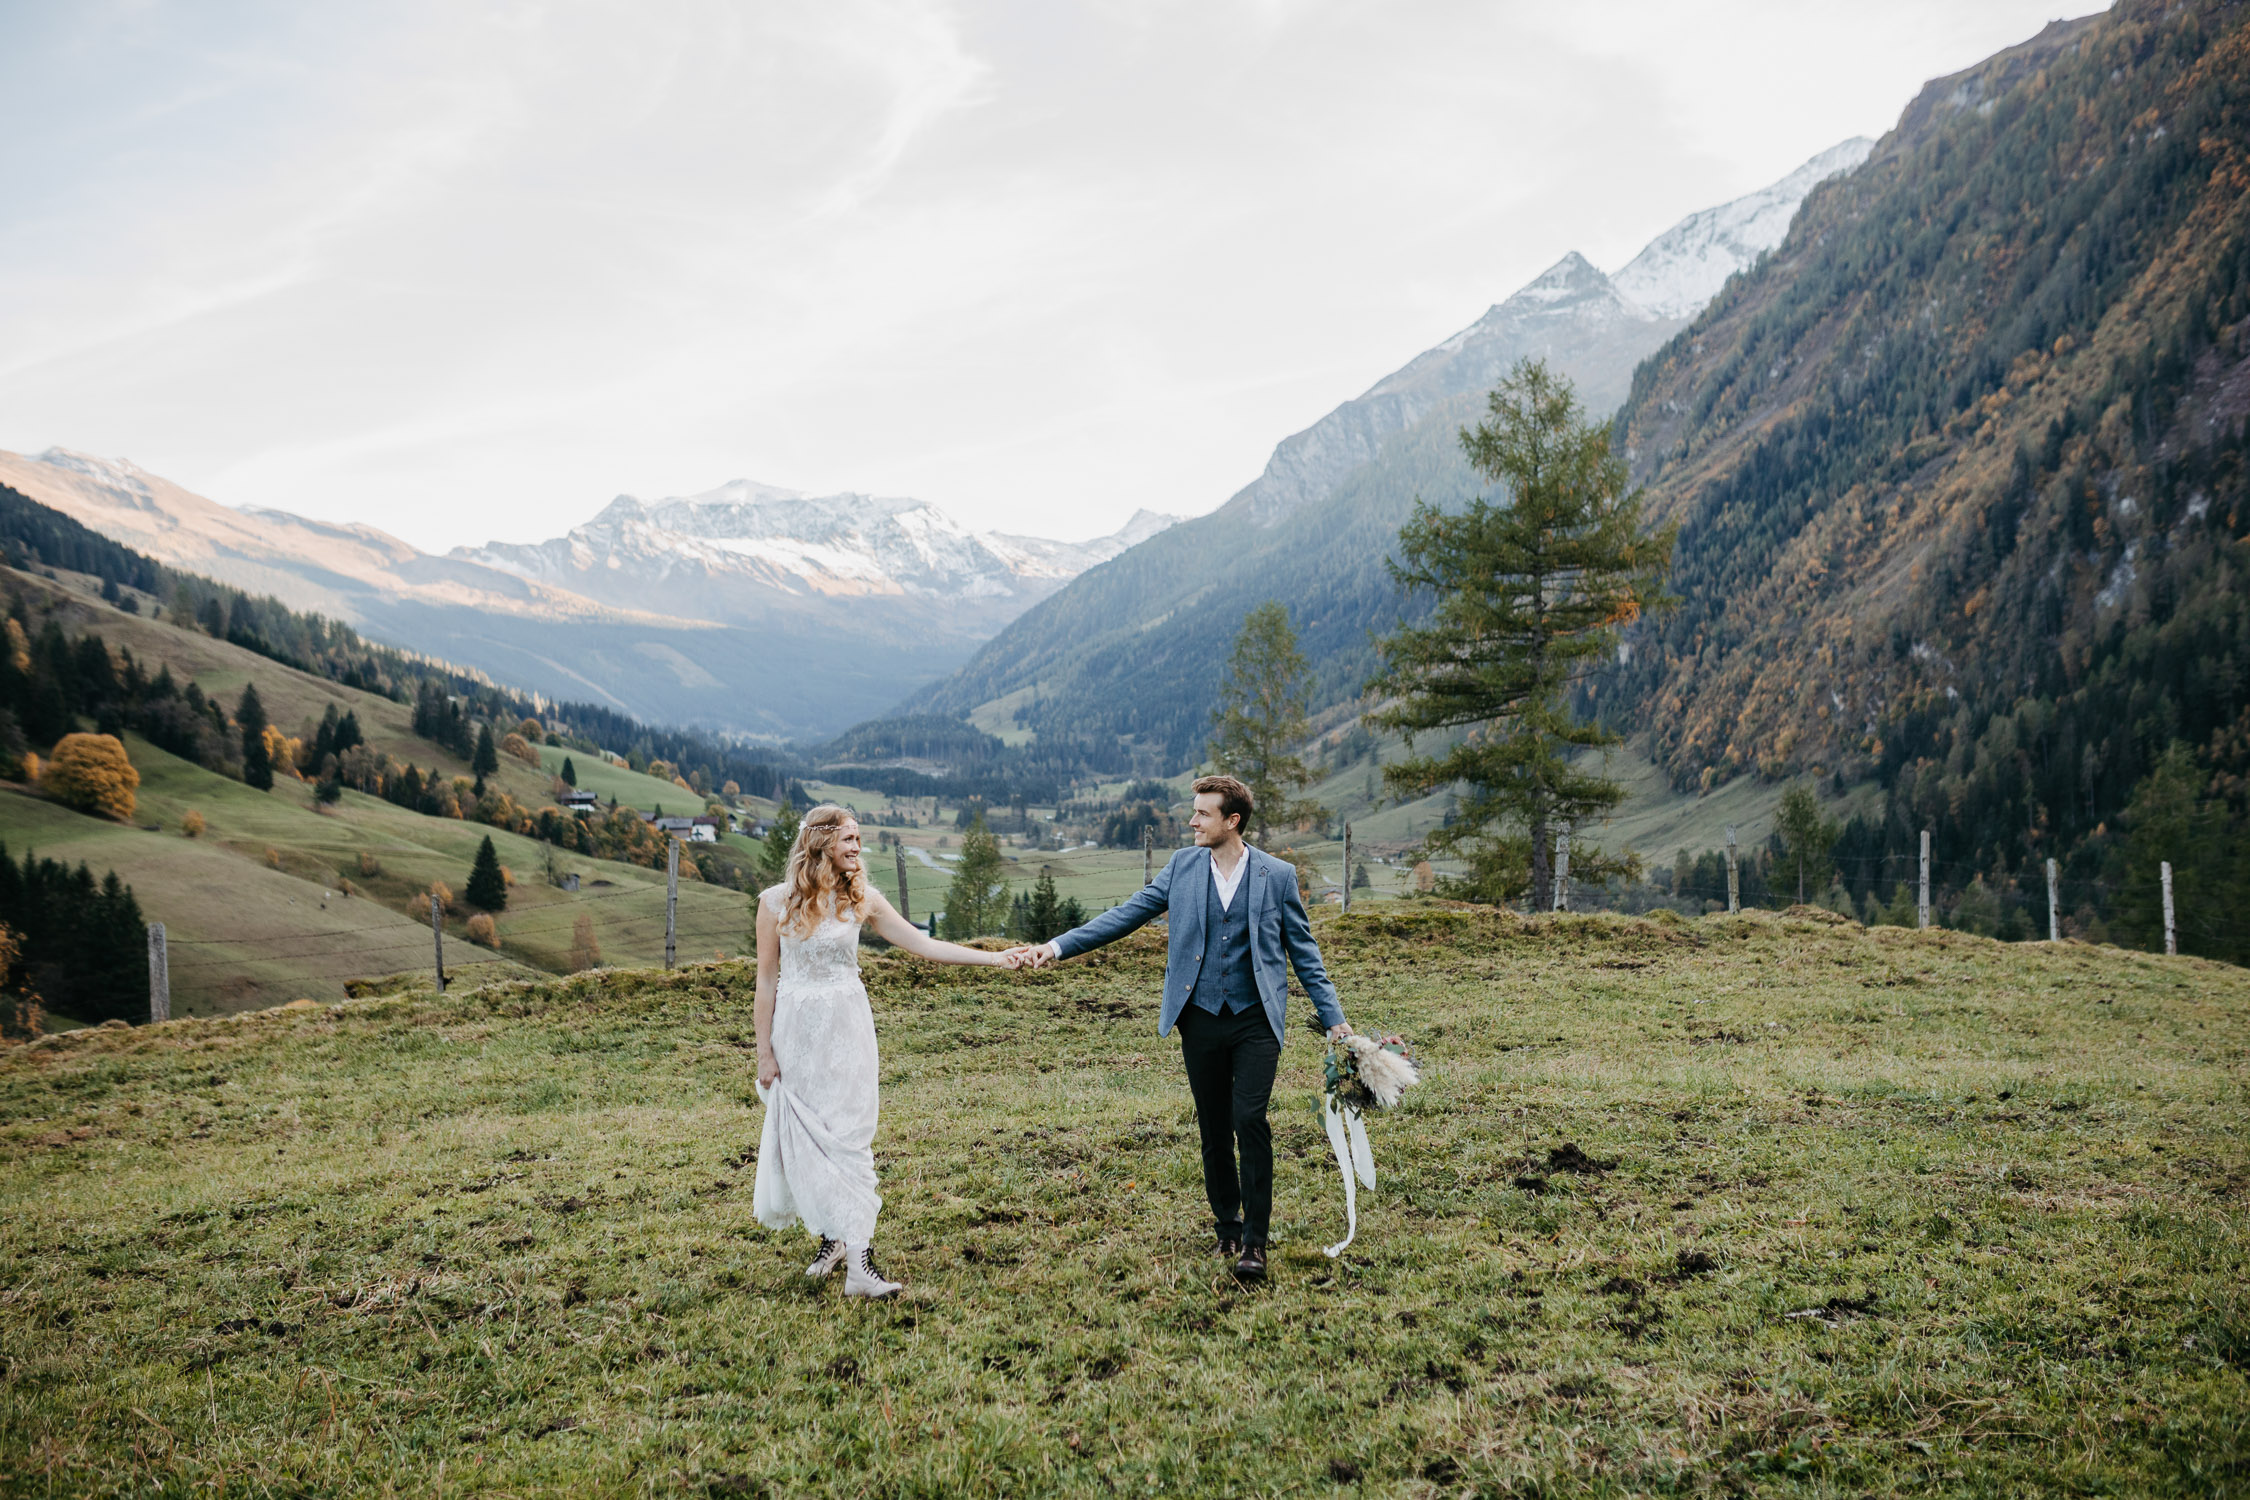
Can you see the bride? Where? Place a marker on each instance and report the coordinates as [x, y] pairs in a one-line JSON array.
[[816, 1046]]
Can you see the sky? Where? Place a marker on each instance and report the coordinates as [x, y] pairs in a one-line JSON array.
[[466, 270]]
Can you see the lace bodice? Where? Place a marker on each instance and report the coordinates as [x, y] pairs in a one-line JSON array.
[[826, 957]]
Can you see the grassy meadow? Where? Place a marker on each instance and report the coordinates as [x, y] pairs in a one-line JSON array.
[[1742, 1205]]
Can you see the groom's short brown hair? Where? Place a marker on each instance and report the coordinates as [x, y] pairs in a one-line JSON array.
[[1235, 800]]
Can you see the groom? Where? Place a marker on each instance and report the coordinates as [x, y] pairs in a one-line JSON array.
[[1236, 918]]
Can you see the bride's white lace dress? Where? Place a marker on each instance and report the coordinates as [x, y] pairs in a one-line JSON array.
[[816, 1159]]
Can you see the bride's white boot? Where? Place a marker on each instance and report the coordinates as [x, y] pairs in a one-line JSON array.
[[861, 1279], [831, 1256]]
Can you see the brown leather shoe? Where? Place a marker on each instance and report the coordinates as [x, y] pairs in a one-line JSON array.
[[1229, 1248], [1252, 1266]]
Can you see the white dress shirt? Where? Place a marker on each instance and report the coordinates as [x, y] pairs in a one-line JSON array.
[[1227, 885]]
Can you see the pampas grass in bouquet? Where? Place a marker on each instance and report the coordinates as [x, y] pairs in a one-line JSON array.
[[1368, 1076]]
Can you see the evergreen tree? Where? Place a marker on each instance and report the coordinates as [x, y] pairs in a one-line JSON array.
[[1261, 713], [1530, 593], [257, 764], [1806, 839], [773, 855], [487, 887], [569, 773], [976, 903], [1043, 910], [487, 757]]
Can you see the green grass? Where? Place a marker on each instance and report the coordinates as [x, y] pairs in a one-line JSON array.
[[1882, 1212], [243, 934]]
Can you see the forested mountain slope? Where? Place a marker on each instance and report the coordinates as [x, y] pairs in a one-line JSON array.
[[1959, 469]]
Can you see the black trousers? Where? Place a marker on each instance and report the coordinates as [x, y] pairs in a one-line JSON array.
[[1231, 1058]]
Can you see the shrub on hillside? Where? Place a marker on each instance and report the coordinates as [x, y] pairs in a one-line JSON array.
[[444, 894], [531, 730], [517, 746], [482, 931], [191, 824], [369, 865], [90, 772], [585, 952]]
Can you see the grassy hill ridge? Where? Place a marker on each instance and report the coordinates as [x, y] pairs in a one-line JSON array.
[[1758, 1205]]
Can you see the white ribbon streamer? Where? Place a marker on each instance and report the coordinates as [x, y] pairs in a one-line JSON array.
[[1347, 1137]]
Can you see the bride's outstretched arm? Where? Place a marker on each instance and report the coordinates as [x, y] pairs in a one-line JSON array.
[[761, 1012], [900, 933]]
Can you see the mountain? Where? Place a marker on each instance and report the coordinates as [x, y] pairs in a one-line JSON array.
[[747, 610], [750, 553], [1960, 469], [1088, 668], [1683, 268]]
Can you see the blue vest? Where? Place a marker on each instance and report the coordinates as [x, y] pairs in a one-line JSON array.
[[1228, 980]]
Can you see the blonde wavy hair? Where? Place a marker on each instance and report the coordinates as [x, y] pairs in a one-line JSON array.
[[815, 886]]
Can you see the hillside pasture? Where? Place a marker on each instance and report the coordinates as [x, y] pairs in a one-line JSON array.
[[1759, 1204]]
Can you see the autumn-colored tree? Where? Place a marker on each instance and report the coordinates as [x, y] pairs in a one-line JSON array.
[[585, 951], [483, 932], [191, 823], [20, 1016], [532, 730], [1530, 590], [731, 791], [1262, 712], [519, 748], [91, 773]]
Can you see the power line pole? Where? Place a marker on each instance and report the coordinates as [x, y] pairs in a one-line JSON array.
[[1347, 869], [1148, 854], [1562, 868], [437, 938], [2054, 905], [671, 898], [900, 850], [1922, 907], [1734, 882], [160, 974], [2171, 944]]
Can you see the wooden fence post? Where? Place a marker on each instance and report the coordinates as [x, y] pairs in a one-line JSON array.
[[900, 850], [671, 898], [1922, 906], [1347, 869], [2171, 942], [1734, 884], [1562, 868], [160, 974], [2054, 904], [437, 938], [1148, 855]]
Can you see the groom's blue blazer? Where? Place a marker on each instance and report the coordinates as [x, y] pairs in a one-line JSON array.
[[1280, 933]]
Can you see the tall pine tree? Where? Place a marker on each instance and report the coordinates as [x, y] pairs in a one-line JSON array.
[[1530, 594], [976, 903], [1261, 714], [257, 762], [487, 757], [781, 837], [487, 887]]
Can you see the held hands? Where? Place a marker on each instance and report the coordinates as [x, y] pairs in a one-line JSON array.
[[1029, 956]]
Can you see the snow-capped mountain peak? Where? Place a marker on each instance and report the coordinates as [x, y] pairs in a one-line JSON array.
[[727, 551], [1684, 267]]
